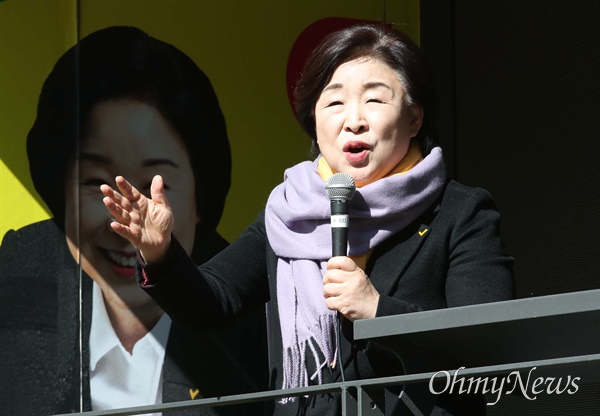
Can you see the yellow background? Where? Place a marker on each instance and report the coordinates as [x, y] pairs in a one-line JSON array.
[[243, 47]]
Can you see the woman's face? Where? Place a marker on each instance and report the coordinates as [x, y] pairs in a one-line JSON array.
[[132, 139], [363, 123]]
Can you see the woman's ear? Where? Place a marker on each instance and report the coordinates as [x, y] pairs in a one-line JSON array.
[[416, 119]]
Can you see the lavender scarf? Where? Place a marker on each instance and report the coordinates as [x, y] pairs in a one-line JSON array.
[[298, 229]]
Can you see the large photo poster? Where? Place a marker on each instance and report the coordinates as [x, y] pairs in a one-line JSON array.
[[197, 91]]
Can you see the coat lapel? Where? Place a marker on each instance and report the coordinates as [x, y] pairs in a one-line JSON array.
[[74, 306], [177, 386], [390, 259]]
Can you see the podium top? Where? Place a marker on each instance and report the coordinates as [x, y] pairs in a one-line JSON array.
[[545, 327]]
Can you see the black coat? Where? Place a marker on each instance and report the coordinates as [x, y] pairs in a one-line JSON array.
[[40, 332], [451, 256]]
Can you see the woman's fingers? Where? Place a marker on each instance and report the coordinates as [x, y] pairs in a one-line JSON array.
[[342, 263], [335, 276], [116, 197], [146, 223], [331, 290], [119, 206], [117, 211], [127, 189], [339, 271], [124, 231], [157, 191], [348, 290]]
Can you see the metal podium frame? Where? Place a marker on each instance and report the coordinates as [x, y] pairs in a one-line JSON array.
[[559, 335]]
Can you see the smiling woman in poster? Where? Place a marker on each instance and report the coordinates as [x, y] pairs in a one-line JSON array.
[[76, 331]]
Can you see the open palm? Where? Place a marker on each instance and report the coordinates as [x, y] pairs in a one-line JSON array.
[[146, 223]]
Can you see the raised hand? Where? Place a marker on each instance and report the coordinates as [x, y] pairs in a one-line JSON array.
[[146, 223], [348, 289]]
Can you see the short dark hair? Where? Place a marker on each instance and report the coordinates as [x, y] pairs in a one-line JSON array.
[[125, 62], [376, 41]]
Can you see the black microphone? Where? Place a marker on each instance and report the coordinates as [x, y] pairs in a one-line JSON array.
[[340, 190]]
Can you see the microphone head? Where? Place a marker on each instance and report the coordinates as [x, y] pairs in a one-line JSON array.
[[340, 187]]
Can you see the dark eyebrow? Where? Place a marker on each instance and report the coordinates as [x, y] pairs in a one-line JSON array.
[[157, 162], [93, 157], [332, 87], [367, 86], [104, 160], [370, 85]]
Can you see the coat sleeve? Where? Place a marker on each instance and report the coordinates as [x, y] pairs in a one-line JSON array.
[[479, 269], [212, 295]]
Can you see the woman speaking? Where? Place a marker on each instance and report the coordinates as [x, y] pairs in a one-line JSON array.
[[417, 241]]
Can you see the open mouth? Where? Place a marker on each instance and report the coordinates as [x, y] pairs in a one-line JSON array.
[[123, 260], [122, 263], [355, 147], [356, 151]]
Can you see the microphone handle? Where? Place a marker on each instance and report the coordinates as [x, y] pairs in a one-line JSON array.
[[339, 228], [339, 247]]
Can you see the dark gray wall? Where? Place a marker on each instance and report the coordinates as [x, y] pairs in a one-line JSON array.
[[520, 94], [519, 85]]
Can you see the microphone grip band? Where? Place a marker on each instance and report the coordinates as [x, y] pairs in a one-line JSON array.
[[339, 228], [339, 241]]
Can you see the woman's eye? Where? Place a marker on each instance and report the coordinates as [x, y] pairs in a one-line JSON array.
[[374, 100], [146, 189], [93, 182], [334, 103]]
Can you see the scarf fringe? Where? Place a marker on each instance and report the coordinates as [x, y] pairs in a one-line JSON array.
[[295, 368]]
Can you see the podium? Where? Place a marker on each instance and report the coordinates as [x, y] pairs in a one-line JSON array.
[[557, 335]]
